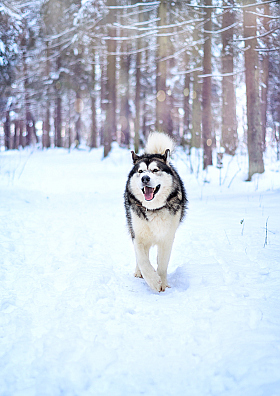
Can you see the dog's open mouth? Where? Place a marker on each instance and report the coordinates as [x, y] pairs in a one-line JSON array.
[[150, 192]]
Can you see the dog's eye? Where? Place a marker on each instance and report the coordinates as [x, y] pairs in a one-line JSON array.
[[155, 170], [140, 171]]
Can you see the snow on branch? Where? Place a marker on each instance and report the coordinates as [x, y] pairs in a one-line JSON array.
[[175, 54], [214, 75], [258, 36], [263, 16], [235, 6], [137, 12], [258, 4], [10, 10], [155, 20], [29, 3], [172, 33], [158, 27], [153, 31], [267, 49], [130, 38], [189, 71], [56, 36], [126, 6], [59, 44], [222, 30], [149, 47]]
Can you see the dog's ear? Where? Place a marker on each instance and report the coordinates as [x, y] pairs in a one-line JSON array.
[[134, 157], [166, 156]]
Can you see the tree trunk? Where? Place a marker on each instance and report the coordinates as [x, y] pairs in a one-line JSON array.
[[196, 94], [145, 128], [137, 91], [186, 121], [206, 89], [229, 123], [264, 92], [110, 125], [93, 134], [27, 102], [16, 135], [78, 123], [21, 137], [254, 129], [264, 76], [124, 86], [30, 126], [161, 107], [137, 105], [29, 119], [58, 117], [46, 124], [103, 94], [58, 121], [7, 131], [46, 127]]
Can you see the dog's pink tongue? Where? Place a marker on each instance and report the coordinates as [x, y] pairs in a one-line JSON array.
[[149, 193]]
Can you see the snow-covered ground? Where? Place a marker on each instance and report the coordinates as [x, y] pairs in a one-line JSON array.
[[74, 320]]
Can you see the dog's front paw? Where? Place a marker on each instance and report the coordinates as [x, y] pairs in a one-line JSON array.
[[138, 274], [155, 282], [163, 277], [164, 285]]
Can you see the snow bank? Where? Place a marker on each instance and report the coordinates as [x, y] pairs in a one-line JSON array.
[[74, 320]]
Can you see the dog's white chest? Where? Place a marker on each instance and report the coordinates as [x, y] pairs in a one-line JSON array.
[[161, 225]]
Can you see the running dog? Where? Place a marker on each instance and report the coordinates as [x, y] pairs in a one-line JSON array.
[[155, 204]]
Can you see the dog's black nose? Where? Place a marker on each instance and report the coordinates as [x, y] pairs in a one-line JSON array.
[[145, 179]]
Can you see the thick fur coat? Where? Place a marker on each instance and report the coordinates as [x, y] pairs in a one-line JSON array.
[[155, 204]]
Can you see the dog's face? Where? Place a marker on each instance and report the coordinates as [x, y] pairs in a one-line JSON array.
[[151, 180]]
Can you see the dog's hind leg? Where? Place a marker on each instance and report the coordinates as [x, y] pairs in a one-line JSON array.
[[164, 252], [145, 267]]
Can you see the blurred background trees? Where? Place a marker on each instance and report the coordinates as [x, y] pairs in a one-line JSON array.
[[206, 72]]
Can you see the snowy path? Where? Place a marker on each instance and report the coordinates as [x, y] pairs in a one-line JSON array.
[[74, 320]]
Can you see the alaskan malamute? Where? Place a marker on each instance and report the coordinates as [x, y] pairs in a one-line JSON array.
[[155, 204]]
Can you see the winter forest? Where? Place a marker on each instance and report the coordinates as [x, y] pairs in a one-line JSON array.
[[206, 72], [82, 83]]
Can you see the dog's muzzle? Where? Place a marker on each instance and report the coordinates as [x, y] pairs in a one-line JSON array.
[[145, 179], [148, 191]]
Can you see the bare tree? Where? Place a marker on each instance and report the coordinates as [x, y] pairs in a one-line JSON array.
[[138, 90], [196, 90], [265, 73], [161, 107], [46, 125], [110, 125], [229, 122], [58, 109], [206, 88], [254, 129], [125, 65], [93, 133], [186, 104], [7, 130]]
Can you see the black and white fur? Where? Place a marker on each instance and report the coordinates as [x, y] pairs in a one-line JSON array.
[[155, 204]]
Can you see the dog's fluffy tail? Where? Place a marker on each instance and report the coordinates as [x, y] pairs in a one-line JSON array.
[[158, 143]]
